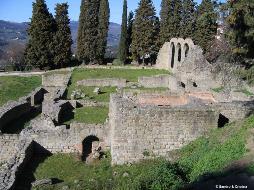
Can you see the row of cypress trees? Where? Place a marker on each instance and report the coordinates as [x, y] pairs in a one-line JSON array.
[[93, 30], [50, 41], [178, 18]]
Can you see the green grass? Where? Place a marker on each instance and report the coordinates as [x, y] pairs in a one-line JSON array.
[[246, 92], [150, 175], [128, 74], [222, 147], [12, 88], [218, 90], [90, 115], [88, 91]]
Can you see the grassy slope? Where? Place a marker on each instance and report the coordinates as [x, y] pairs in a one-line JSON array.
[[12, 88]]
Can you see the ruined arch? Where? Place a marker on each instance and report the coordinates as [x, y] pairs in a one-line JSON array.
[[87, 145], [172, 60], [174, 53]]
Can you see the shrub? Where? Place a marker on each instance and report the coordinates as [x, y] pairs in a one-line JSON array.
[[117, 62]]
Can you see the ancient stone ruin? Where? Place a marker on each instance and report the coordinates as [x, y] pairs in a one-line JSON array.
[[141, 125]]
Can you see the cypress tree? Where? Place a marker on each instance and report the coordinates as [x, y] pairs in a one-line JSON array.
[[144, 31], [188, 19], [104, 14], [241, 28], [206, 27], [123, 48], [41, 30], [177, 18], [166, 21], [129, 31], [62, 38], [88, 38]]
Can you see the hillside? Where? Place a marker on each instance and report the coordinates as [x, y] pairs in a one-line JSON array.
[[17, 32]]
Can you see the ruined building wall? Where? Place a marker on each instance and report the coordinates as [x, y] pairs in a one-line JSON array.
[[138, 132]]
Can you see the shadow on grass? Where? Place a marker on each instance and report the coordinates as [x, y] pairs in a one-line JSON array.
[[236, 178], [16, 126], [26, 176]]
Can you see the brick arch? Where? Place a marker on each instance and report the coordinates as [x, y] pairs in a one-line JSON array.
[[174, 53]]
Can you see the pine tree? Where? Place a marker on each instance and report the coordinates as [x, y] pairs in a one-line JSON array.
[[166, 21], [129, 31], [241, 28], [88, 38], [206, 26], [123, 46], [41, 30], [62, 38], [104, 13], [188, 19], [144, 31]]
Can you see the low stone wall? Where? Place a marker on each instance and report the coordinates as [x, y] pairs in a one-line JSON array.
[[154, 81], [55, 80], [103, 82], [62, 140], [8, 145], [14, 166], [142, 132]]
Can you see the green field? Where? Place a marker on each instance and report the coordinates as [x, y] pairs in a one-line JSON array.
[[89, 115], [12, 87], [206, 156]]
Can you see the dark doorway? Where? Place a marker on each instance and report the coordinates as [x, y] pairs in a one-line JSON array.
[[87, 146], [172, 55], [222, 121], [179, 52], [186, 50], [183, 85], [195, 85]]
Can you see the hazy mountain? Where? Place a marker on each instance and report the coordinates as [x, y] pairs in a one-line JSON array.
[[10, 31]]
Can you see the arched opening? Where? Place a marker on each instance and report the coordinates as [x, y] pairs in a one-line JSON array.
[[87, 146], [179, 51], [172, 55], [195, 84], [222, 121], [186, 50]]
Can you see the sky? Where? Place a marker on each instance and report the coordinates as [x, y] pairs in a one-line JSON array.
[[21, 10]]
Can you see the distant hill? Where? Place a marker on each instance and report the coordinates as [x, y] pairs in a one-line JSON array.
[[11, 31]]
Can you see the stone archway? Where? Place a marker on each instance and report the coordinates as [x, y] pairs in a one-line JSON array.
[[87, 146], [174, 53]]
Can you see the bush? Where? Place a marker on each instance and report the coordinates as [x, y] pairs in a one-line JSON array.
[[162, 176], [117, 62]]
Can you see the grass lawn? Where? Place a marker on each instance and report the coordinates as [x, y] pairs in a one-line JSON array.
[[246, 92], [90, 115], [88, 91], [13, 87], [218, 90]]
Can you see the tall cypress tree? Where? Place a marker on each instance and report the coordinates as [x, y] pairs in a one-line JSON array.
[[129, 31], [104, 14], [241, 28], [206, 27], [188, 19], [166, 21], [41, 30], [88, 38], [62, 38], [144, 31], [177, 18], [123, 46]]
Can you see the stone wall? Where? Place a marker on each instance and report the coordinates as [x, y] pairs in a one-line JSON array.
[[103, 82], [13, 110], [8, 145], [140, 132], [15, 165], [55, 80], [154, 81]]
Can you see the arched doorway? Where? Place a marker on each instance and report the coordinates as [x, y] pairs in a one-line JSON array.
[[179, 53], [87, 146], [172, 55]]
